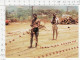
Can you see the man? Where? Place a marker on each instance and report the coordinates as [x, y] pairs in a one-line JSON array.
[[35, 30], [54, 22]]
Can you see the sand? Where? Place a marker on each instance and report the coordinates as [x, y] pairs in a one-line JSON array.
[[18, 41]]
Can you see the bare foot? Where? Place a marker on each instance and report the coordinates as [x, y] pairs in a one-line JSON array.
[[53, 39], [30, 47]]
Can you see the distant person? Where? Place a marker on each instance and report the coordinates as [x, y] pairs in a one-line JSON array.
[[35, 30], [54, 23]]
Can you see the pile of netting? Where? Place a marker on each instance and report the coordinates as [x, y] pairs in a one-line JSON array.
[[69, 20]]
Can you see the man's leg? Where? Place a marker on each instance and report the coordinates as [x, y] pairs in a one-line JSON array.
[[53, 33], [31, 41], [53, 27], [56, 33], [36, 36]]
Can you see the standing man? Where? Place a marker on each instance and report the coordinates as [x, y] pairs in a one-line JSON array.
[[35, 30], [54, 22]]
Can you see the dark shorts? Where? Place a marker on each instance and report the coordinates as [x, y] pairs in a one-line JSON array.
[[35, 31]]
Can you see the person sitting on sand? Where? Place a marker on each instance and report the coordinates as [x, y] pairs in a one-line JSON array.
[[34, 30], [54, 22]]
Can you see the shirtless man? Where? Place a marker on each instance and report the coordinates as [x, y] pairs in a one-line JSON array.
[[54, 22], [35, 30]]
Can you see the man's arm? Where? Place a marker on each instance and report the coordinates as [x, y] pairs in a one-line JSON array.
[[38, 23], [52, 21], [57, 19], [31, 24]]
